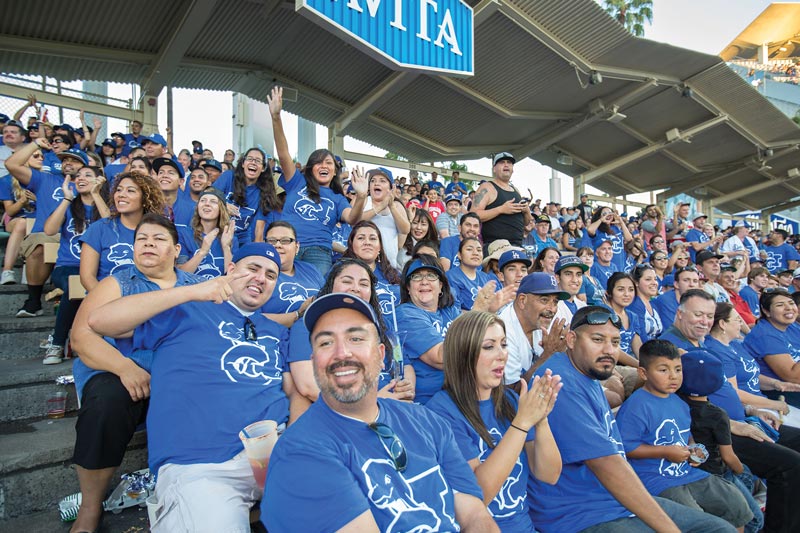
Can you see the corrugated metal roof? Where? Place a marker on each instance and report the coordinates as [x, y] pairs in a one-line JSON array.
[[531, 56]]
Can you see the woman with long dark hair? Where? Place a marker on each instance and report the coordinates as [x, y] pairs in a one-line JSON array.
[[504, 437], [250, 193], [571, 237], [366, 243], [315, 200], [71, 219], [423, 228]]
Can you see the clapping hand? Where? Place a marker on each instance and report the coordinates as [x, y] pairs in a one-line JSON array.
[[535, 404]]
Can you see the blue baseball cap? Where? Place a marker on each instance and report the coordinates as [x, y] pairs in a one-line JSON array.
[[155, 138], [108, 141], [212, 163], [703, 373], [419, 265], [65, 126], [541, 283], [159, 162], [452, 198], [75, 153], [198, 149], [261, 249], [512, 256], [118, 134], [4, 118], [337, 300], [383, 172], [570, 261]]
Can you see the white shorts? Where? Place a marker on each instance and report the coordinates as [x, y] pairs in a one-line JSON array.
[[213, 497]]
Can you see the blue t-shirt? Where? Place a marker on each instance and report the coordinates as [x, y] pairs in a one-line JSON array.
[[695, 235], [509, 508], [47, 188], [667, 307], [652, 325], [69, 247], [466, 289], [455, 188], [778, 257], [327, 469], [7, 193], [750, 296], [765, 340], [584, 428], [291, 291], [208, 382], [213, 264], [726, 397], [131, 281], [183, 210], [603, 273], [113, 241], [626, 334], [245, 220], [648, 419], [594, 289], [427, 330], [51, 163], [541, 244], [617, 246], [738, 363], [448, 249], [314, 222], [111, 171]]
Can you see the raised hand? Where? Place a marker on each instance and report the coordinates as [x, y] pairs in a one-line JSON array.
[[97, 123], [554, 340], [209, 239], [67, 190], [43, 143], [97, 184], [359, 181], [226, 239], [535, 404], [275, 101]]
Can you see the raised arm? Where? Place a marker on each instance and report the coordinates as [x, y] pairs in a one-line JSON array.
[[53, 223], [275, 102], [353, 214], [16, 164]]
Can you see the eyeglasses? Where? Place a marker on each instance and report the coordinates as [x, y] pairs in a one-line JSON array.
[[427, 276], [598, 318], [59, 140], [38, 155], [285, 241], [658, 242], [773, 290], [643, 266], [392, 444], [660, 258], [254, 160], [250, 333]]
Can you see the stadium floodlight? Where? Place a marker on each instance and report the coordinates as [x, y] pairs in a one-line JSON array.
[[793, 172], [595, 78], [673, 135], [564, 159]]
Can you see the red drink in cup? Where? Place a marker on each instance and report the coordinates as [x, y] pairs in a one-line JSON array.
[[259, 439]]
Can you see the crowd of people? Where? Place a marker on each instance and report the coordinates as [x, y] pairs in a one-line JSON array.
[[437, 356]]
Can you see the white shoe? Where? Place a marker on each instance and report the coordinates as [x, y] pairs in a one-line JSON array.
[[8, 277], [54, 355], [44, 344]]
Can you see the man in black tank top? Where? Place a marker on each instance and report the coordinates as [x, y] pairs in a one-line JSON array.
[[499, 205]]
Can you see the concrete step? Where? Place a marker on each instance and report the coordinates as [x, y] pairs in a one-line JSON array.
[[20, 337], [35, 465], [26, 384], [12, 297]]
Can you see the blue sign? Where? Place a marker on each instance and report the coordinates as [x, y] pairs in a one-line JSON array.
[[789, 224], [430, 35]]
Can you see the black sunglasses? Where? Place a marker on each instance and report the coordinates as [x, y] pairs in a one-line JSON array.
[[598, 318], [775, 290], [392, 444], [250, 333]]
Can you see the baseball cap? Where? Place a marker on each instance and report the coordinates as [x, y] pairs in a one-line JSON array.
[[703, 373], [726, 266], [154, 138], [75, 153], [419, 265], [705, 255], [4, 118], [159, 162], [65, 126], [197, 150], [212, 163], [503, 156], [108, 141], [698, 215], [543, 218], [17, 124], [197, 143], [261, 249], [118, 134], [213, 191], [797, 272], [451, 198], [337, 300], [383, 172], [513, 256], [541, 283], [34, 126], [570, 261]]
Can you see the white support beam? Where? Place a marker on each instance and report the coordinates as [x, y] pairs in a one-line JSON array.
[[780, 207], [163, 67], [611, 177], [408, 165], [387, 89], [95, 108], [752, 189], [642, 138], [626, 159]]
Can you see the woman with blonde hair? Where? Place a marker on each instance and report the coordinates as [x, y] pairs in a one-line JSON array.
[[504, 437], [209, 244]]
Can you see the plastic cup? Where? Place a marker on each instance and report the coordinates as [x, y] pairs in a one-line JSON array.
[[259, 438], [57, 404]]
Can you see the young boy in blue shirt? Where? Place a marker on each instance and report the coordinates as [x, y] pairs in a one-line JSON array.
[[654, 423], [711, 427]]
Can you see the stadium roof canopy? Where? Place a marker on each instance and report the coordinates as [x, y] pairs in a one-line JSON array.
[[661, 117]]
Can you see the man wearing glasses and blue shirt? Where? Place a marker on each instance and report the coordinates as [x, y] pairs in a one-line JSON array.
[[357, 463], [598, 491], [218, 366]]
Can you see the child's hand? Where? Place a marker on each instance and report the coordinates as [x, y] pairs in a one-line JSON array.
[[676, 453]]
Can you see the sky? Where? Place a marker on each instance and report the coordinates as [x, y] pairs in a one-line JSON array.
[[702, 25]]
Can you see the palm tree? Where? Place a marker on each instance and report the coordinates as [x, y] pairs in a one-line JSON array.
[[631, 13]]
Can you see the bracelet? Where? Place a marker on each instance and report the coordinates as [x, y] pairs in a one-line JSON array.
[[68, 199], [297, 315], [519, 428]]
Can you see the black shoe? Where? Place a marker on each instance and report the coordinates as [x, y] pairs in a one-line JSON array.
[[30, 309]]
